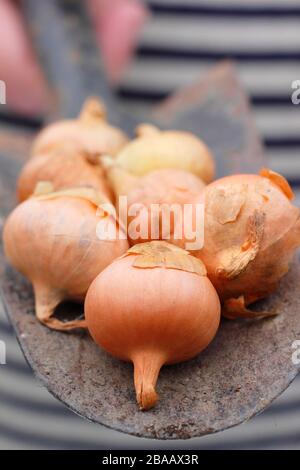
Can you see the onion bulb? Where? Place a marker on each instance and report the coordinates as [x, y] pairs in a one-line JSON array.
[[154, 149], [52, 240], [64, 167], [251, 231], [89, 132], [162, 188], [152, 306]]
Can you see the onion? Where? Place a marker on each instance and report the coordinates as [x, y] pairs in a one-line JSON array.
[[153, 306], [163, 188], [251, 231], [64, 167], [89, 132], [51, 239], [154, 149]]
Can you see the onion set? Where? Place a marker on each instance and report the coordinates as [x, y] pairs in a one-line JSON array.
[[152, 306], [64, 167], [251, 231], [89, 132], [154, 149], [51, 239], [163, 188], [153, 303]]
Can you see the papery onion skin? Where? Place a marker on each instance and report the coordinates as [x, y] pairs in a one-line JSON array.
[[64, 167], [89, 132], [54, 244], [151, 316], [154, 149], [251, 232]]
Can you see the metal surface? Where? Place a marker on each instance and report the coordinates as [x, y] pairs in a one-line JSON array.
[[242, 371]]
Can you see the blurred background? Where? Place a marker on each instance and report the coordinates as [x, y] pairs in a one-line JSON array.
[[149, 49]]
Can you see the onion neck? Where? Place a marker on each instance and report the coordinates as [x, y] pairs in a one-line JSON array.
[[46, 300], [121, 180], [92, 109], [147, 365], [147, 130]]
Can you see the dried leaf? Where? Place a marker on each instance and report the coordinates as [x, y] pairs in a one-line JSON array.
[[279, 180], [235, 260], [226, 203], [236, 308]]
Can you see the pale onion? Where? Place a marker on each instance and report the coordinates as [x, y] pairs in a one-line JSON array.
[[154, 149]]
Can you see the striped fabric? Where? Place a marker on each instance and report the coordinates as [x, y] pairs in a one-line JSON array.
[[183, 39]]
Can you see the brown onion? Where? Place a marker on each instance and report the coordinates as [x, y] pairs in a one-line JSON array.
[[251, 231], [89, 132], [153, 306], [52, 240], [64, 167], [163, 188]]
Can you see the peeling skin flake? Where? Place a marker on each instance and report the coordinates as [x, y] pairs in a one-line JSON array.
[[279, 180], [225, 203], [162, 254], [236, 259]]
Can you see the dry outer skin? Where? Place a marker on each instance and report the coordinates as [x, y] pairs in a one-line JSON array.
[[251, 232], [155, 254]]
